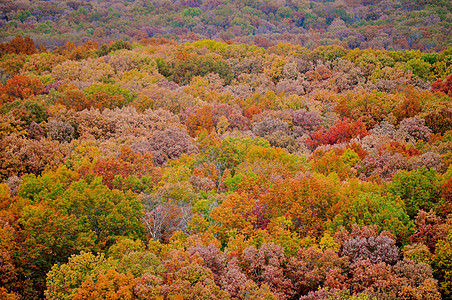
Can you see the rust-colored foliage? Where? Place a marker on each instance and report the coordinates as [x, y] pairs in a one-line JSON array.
[[408, 107], [407, 150], [18, 45], [109, 168], [102, 100], [200, 120], [265, 266], [20, 87], [75, 99], [240, 211], [446, 207], [371, 114], [207, 170], [320, 73], [113, 285], [4, 294], [72, 52], [308, 203], [358, 148], [127, 164], [251, 111], [21, 156]]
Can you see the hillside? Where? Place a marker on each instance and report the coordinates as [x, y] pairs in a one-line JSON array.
[[214, 170], [376, 24], [222, 149]]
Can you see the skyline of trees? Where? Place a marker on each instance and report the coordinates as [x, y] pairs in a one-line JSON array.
[[390, 24]]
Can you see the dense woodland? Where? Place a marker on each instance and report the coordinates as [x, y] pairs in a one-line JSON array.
[[221, 170], [379, 24]]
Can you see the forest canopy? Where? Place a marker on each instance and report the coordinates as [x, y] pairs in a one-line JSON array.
[[391, 24], [280, 162]]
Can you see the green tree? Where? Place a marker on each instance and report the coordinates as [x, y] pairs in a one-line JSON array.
[[47, 238], [369, 209], [191, 65], [109, 213], [419, 68], [419, 189]]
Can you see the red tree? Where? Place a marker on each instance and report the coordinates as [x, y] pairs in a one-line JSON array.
[[340, 132]]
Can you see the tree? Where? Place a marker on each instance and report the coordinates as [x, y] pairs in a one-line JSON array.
[[375, 249], [233, 280], [18, 45], [439, 121], [188, 279], [442, 265], [312, 269], [443, 86], [213, 259], [413, 130], [417, 279], [269, 126], [138, 263], [164, 219], [20, 87], [189, 65], [200, 119], [60, 131], [20, 156], [340, 132], [305, 121], [103, 212], [63, 281], [237, 214], [265, 266], [104, 96], [27, 111], [429, 229], [8, 296], [75, 99], [109, 213], [10, 209], [419, 189], [337, 161], [196, 282], [408, 107], [47, 238], [367, 209], [417, 253], [112, 285], [232, 115], [110, 168], [149, 287], [166, 144], [383, 165], [419, 67], [307, 202]]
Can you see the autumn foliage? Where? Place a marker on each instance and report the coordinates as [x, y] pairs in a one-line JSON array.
[[149, 169], [443, 86], [340, 132]]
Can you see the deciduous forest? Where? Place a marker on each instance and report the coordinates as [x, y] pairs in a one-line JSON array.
[[225, 150]]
